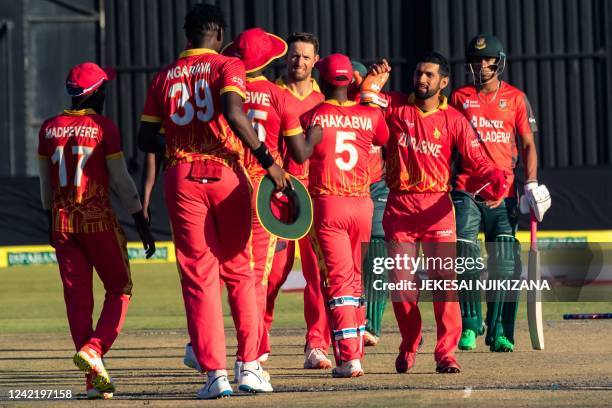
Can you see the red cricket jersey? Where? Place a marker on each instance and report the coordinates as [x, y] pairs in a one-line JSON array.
[[186, 98], [421, 145], [497, 119], [339, 163], [267, 109], [78, 143], [299, 105]]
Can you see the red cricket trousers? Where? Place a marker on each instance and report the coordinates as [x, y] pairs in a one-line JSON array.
[[317, 326], [209, 205], [342, 225], [264, 246], [429, 220], [77, 255]]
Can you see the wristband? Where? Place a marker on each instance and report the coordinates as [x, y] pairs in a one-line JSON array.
[[263, 156]]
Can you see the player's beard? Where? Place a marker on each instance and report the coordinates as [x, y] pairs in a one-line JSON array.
[[426, 94]]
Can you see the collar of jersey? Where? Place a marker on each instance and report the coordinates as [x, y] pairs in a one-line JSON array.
[[196, 51], [257, 78], [315, 88], [338, 103], [442, 106], [79, 112]]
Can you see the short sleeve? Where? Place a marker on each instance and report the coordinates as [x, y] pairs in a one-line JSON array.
[[525, 119], [42, 146], [454, 101], [233, 77], [153, 109], [382, 130], [111, 141], [306, 120]]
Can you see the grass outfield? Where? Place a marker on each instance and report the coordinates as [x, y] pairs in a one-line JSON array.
[[146, 361], [31, 301]]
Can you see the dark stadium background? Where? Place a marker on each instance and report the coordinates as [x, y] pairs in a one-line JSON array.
[[560, 54]]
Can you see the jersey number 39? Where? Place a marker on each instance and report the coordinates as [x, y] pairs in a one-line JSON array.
[[179, 92]]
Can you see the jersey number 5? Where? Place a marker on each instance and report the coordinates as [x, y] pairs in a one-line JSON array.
[[58, 157], [256, 117], [342, 145], [180, 92]]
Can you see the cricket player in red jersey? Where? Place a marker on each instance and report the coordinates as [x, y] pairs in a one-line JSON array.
[[376, 299], [198, 101], [266, 108], [80, 158], [339, 182], [303, 94], [502, 117], [424, 133]]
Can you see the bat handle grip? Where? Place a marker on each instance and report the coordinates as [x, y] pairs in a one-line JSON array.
[[533, 224]]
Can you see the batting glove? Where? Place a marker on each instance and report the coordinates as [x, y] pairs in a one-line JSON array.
[[536, 199]]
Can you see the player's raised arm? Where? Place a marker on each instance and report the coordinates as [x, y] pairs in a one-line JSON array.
[[372, 85]]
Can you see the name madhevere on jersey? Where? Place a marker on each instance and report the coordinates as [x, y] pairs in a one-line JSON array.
[[71, 131], [342, 121], [181, 71]]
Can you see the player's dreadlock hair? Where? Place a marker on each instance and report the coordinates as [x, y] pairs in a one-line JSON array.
[[202, 18], [437, 58], [304, 37]]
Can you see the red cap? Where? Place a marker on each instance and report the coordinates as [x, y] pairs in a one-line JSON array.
[[256, 48], [336, 69], [85, 78], [491, 186]]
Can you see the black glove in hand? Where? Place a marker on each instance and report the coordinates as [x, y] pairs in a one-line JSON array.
[[146, 237]]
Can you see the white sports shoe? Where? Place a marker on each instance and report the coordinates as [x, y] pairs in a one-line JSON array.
[[217, 386], [315, 358], [254, 379], [190, 359], [238, 368], [348, 369]]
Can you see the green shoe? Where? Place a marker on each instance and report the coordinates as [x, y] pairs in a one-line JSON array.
[[468, 340], [502, 345]]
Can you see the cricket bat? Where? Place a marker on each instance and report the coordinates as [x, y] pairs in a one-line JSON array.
[[534, 297]]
